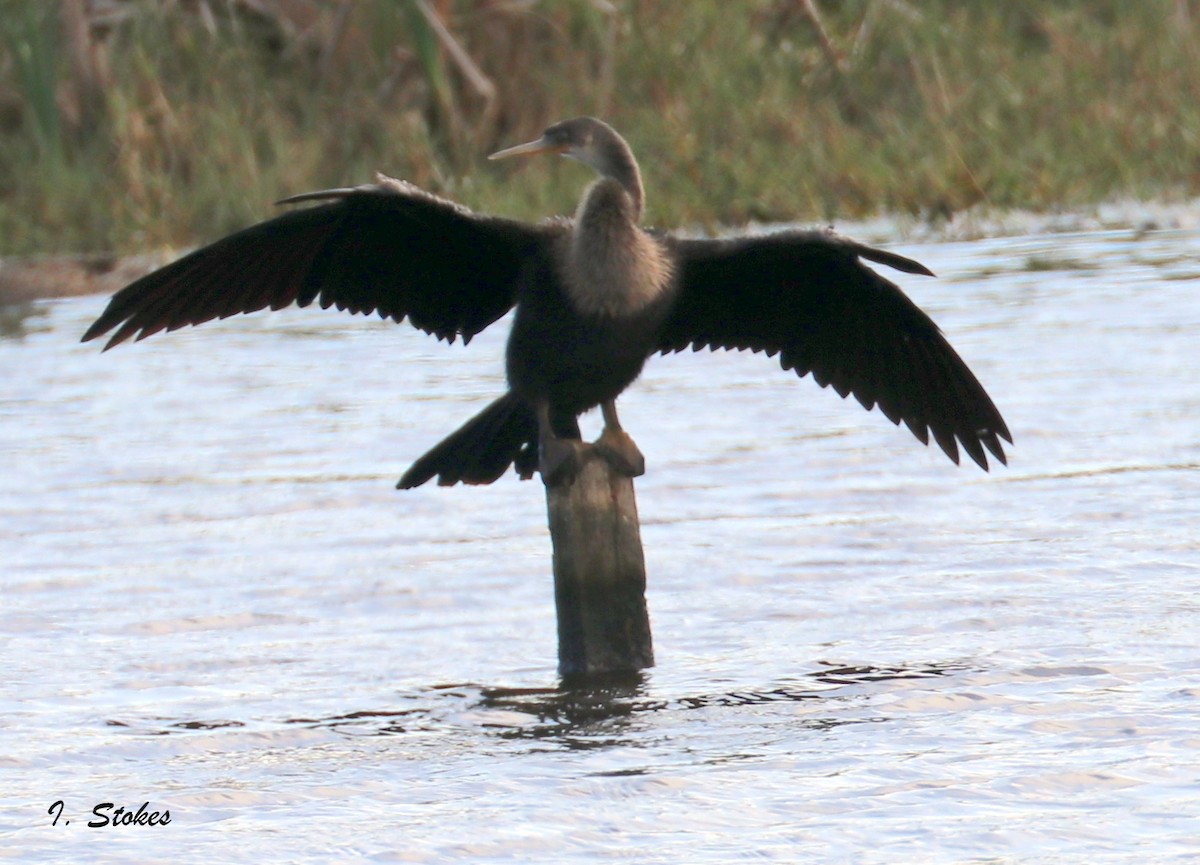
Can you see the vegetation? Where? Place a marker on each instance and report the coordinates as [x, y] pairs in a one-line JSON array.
[[173, 121]]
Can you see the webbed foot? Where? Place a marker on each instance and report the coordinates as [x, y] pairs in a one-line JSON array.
[[559, 460], [622, 454]]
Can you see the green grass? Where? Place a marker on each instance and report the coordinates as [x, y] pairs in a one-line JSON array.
[[732, 108]]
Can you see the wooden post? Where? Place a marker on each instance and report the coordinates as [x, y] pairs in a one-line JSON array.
[[599, 573]]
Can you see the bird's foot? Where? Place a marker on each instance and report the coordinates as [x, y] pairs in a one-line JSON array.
[[559, 460], [622, 454]]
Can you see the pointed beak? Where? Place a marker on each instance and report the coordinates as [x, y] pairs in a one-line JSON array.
[[529, 149]]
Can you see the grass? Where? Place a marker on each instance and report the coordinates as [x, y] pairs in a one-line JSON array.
[[734, 110]]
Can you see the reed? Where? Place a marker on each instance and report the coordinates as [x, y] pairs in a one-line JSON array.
[[751, 111]]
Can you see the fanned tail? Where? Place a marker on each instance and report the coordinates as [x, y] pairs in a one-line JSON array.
[[482, 449]]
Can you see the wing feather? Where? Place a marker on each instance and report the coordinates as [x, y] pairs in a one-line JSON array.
[[388, 248], [808, 297]]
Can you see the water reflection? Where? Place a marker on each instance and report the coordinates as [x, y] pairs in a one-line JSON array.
[[582, 713], [364, 723]]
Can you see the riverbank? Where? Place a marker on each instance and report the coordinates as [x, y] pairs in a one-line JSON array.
[[29, 278], [24, 279]]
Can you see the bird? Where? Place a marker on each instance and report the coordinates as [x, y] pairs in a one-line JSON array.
[[595, 297]]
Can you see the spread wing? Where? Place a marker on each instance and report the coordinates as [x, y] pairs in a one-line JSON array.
[[807, 297], [389, 248]]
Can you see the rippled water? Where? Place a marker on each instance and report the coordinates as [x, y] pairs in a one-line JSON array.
[[215, 602]]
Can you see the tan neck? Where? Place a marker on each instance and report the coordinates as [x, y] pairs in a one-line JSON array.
[[614, 268]]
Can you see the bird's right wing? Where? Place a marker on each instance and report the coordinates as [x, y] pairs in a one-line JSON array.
[[808, 297], [389, 248]]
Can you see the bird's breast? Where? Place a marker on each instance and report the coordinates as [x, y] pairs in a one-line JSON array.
[[613, 268]]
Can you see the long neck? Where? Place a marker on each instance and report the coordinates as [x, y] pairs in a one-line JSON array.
[[623, 168], [613, 267], [609, 156], [608, 209]]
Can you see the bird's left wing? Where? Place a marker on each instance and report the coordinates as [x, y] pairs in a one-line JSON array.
[[808, 297], [389, 248]]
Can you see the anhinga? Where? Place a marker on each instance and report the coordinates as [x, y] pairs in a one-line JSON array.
[[595, 297]]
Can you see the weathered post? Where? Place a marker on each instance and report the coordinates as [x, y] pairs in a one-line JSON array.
[[599, 573]]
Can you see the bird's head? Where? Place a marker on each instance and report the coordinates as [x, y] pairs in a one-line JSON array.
[[584, 139], [594, 143]]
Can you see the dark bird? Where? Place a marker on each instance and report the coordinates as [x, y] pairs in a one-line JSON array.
[[595, 297]]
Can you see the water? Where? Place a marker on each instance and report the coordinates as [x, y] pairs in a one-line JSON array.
[[215, 602]]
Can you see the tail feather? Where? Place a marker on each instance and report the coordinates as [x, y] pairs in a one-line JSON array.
[[482, 449]]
